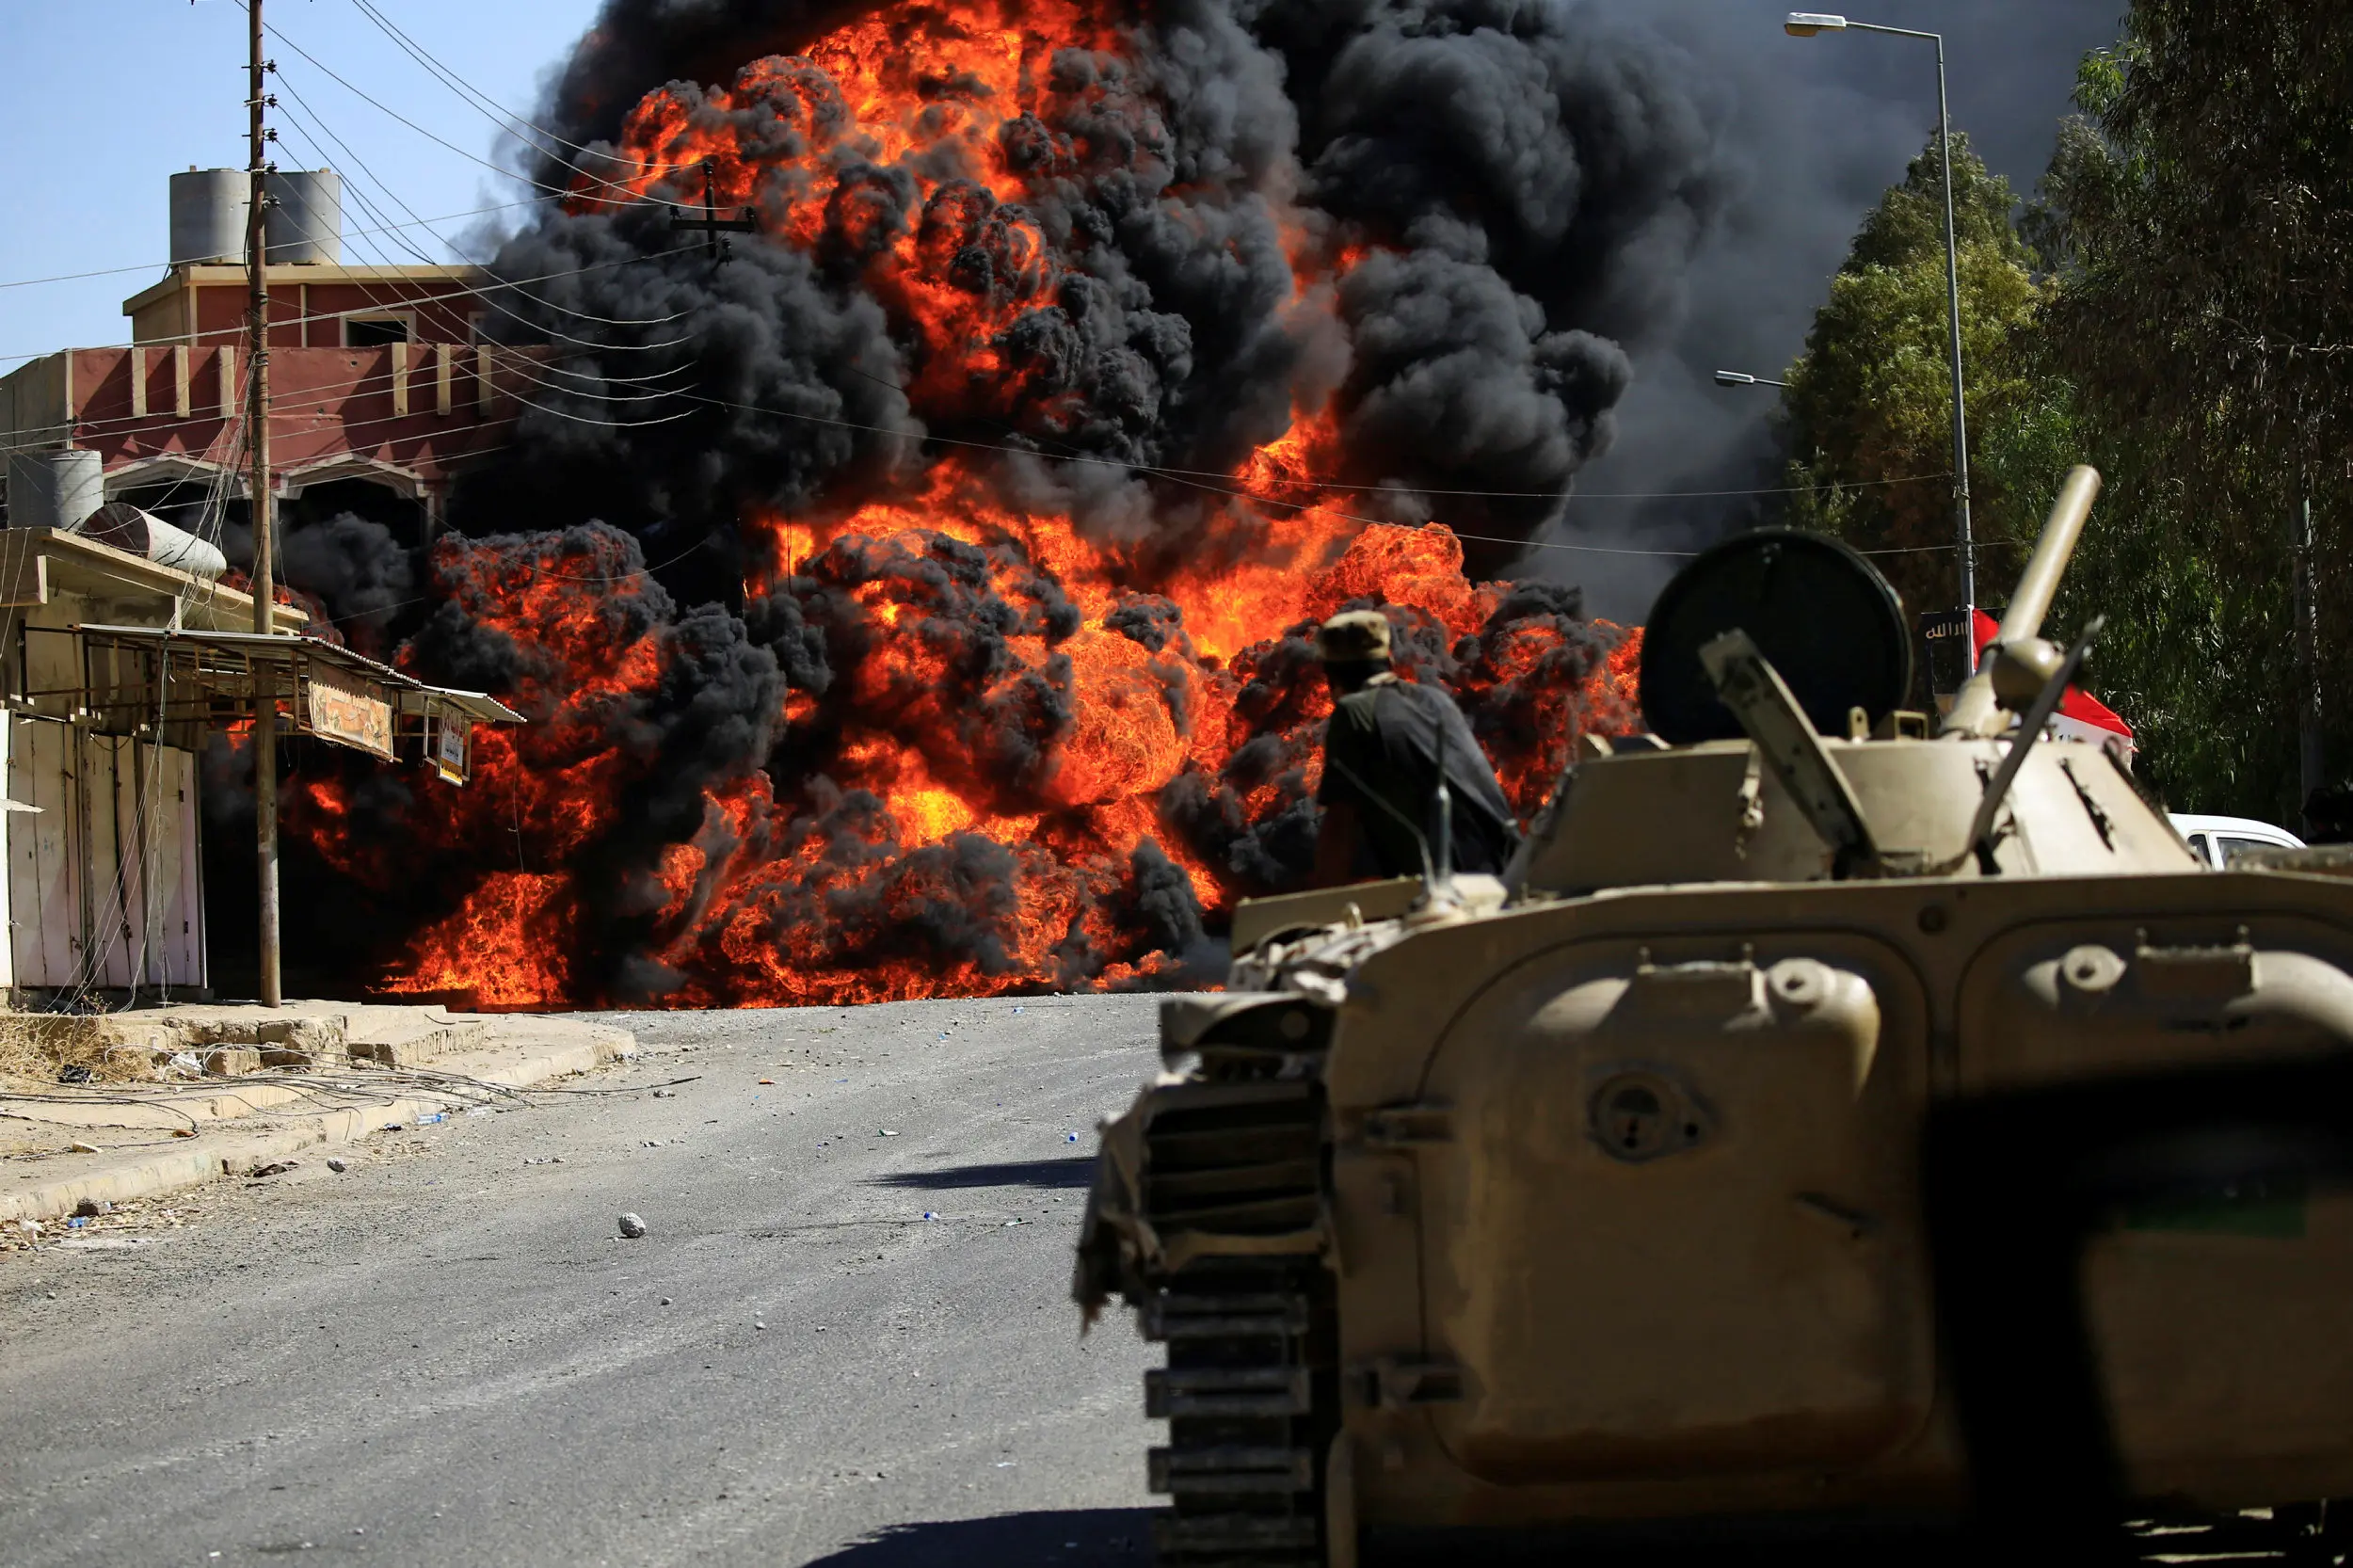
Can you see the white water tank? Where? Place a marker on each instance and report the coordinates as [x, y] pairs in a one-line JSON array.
[[305, 220], [208, 208], [125, 527], [57, 488]]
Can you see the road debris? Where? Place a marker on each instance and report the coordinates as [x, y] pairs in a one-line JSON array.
[[89, 1209], [631, 1227], [338, 1164]]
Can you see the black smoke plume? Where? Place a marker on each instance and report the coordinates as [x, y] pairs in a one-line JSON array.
[[1519, 189], [1532, 178], [1815, 130]]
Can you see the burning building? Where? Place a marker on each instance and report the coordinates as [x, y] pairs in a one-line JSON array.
[[911, 599]]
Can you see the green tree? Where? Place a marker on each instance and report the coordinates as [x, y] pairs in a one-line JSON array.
[[1869, 412], [2199, 214], [2176, 308]]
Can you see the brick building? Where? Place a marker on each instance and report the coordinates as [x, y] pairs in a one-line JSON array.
[[381, 388], [125, 644]]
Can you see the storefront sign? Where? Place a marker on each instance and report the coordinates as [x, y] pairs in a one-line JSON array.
[[450, 742], [349, 710]]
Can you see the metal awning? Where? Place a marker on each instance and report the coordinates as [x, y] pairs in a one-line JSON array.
[[416, 696], [155, 681]]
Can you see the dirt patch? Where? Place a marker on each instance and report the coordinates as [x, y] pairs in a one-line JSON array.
[[145, 1218], [49, 1048]]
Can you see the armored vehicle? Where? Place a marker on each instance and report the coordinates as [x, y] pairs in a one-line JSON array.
[[1825, 1127]]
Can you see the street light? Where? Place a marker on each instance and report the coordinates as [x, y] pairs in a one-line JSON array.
[[1735, 378], [1805, 24]]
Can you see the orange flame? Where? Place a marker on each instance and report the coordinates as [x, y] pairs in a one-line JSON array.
[[897, 862]]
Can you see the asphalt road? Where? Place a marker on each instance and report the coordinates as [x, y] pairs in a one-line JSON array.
[[868, 1357]]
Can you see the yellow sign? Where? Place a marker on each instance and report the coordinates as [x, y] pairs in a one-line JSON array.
[[349, 710]]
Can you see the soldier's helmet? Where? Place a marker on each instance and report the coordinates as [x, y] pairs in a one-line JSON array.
[[1353, 637]]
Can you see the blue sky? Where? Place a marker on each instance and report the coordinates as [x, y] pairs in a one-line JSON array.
[[108, 98]]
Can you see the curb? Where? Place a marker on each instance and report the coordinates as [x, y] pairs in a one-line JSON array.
[[212, 1157]]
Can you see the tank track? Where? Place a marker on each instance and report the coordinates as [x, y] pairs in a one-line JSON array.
[[1249, 1390], [1249, 1396]]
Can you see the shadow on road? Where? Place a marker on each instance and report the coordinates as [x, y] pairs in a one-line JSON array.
[[1076, 1170], [1090, 1535]]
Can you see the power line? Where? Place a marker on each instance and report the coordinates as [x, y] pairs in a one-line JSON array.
[[322, 397], [440, 141], [1248, 495], [526, 368], [372, 177], [608, 424], [1570, 495], [491, 108], [1179, 475], [459, 293], [151, 266], [543, 573], [641, 397], [504, 358]]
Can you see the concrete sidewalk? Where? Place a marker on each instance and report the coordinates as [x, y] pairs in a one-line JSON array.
[[277, 1082]]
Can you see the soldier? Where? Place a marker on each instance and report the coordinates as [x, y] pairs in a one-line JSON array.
[[1381, 762]]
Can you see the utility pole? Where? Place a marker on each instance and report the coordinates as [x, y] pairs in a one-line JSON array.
[[1968, 540], [258, 508], [710, 223], [1811, 24]]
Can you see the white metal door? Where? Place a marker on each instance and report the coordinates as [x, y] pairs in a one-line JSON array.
[[104, 883], [44, 881]]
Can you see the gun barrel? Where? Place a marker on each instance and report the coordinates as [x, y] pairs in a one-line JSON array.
[[2039, 584], [1975, 711]]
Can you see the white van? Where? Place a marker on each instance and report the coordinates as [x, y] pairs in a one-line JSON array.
[[2220, 841]]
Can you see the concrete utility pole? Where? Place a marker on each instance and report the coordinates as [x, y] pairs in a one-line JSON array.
[[258, 508]]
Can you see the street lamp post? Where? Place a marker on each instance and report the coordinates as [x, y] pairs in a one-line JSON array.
[[1805, 24], [1737, 379]]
